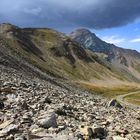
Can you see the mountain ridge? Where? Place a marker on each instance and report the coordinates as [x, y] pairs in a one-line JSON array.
[[83, 31], [114, 54], [61, 56]]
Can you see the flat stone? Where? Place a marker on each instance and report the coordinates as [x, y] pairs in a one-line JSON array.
[[99, 132], [119, 138], [20, 138], [9, 129], [6, 123], [48, 121]]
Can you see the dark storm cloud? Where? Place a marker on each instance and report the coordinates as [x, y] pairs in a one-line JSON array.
[[72, 13]]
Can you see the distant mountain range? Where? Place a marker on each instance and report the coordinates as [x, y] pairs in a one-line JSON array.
[[80, 55]]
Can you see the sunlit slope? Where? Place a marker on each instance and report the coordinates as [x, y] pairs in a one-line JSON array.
[[58, 55]]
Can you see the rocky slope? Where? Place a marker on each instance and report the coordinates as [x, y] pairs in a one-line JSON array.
[[36, 106], [36, 109]]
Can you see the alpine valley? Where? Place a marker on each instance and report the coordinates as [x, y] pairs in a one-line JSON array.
[[56, 86]]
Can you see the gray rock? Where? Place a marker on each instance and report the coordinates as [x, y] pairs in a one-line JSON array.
[[99, 132], [65, 137], [118, 138], [9, 129], [24, 105], [114, 103], [90, 132], [80, 137], [1, 105], [26, 119], [47, 100], [49, 121], [20, 138], [10, 137], [61, 112]]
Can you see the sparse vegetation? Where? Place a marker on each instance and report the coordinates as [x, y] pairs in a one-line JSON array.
[[71, 61], [134, 99], [108, 91]]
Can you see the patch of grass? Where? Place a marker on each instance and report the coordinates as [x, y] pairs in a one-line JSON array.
[[134, 99], [110, 91], [136, 102]]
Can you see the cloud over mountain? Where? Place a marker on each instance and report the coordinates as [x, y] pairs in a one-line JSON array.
[[90, 13]]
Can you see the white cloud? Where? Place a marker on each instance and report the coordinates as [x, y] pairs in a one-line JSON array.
[[135, 40], [113, 39], [34, 11]]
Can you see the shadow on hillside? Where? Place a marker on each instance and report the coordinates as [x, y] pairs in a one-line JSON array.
[[25, 42]]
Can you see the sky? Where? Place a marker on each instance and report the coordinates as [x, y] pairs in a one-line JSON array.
[[114, 21]]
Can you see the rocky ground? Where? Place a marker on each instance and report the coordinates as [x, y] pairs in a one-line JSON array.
[[35, 109]]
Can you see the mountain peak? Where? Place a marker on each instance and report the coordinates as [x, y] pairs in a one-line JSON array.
[[80, 31], [113, 53], [5, 27], [83, 30], [85, 38]]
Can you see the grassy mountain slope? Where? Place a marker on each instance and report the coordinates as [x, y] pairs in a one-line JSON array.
[[53, 52], [59, 55]]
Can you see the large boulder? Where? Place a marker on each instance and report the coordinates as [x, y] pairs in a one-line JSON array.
[[99, 132], [92, 132], [48, 121], [114, 103]]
